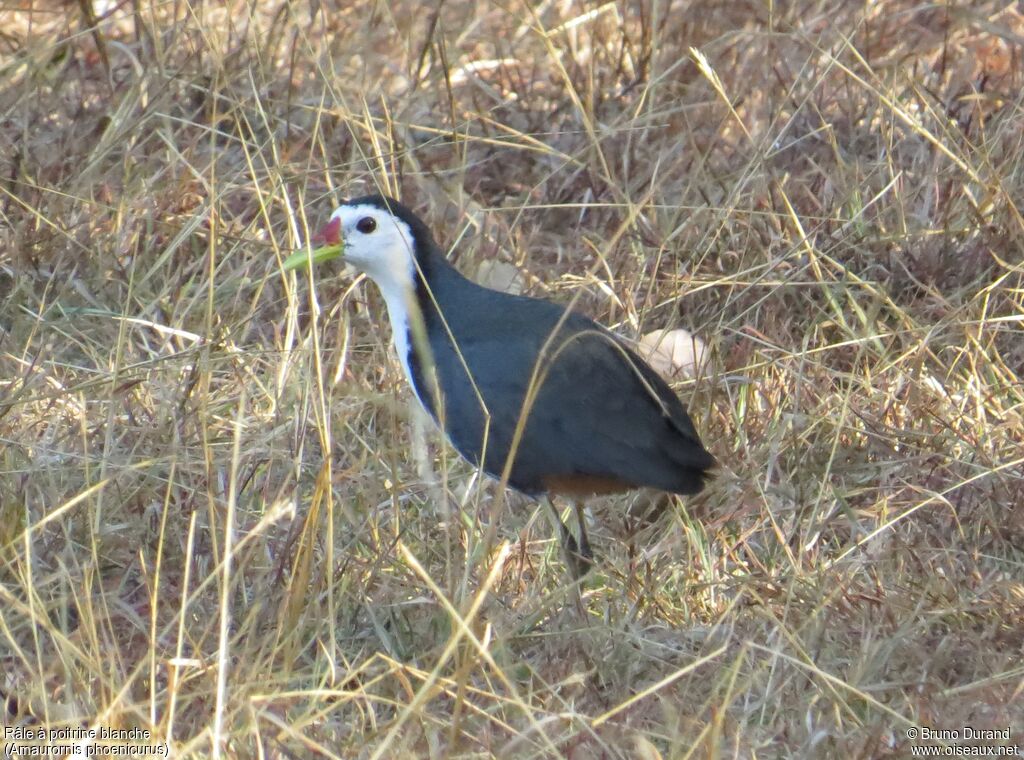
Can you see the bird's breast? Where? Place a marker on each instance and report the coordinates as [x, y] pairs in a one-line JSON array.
[[401, 307]]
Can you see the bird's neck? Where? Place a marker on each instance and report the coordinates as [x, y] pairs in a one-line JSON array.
[[437, 282], [412, 300], [400, 297]]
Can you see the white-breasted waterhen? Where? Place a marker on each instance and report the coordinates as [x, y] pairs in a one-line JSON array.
[[523, 386]]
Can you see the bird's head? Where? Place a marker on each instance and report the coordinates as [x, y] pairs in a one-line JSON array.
[[375, 234]]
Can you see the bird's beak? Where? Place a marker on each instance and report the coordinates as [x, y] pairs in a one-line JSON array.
[[324, 246]]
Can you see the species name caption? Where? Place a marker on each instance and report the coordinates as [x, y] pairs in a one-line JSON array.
[[76, 741]]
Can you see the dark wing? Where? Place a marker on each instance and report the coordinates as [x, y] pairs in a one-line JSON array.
[[600, 414], [615, 417]]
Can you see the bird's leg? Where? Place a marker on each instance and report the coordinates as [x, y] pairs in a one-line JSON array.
[[568, 541], [575, 562], [585, 552], [578, 555]]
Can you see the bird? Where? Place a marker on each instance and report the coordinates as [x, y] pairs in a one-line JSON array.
[[525, 389]]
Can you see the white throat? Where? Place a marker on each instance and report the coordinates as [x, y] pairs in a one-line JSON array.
[[400, 297]]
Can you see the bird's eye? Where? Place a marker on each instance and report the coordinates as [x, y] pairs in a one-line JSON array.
[[366, 225]]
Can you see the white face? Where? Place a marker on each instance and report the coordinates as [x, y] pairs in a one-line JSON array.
[[378, 244], [381, 245]]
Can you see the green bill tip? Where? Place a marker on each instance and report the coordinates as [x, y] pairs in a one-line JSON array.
[[316, 256]]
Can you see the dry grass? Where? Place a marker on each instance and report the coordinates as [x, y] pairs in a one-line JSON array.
[[220, 521]]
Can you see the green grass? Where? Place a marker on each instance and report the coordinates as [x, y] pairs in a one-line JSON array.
[[222, 520]]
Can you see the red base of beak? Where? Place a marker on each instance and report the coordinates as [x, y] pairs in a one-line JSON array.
[[329, 235]]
